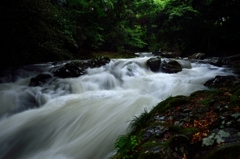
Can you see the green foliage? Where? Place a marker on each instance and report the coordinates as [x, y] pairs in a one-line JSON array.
[[198, 25], [134, 38], [56, 32], [139, 122], [126, 146], [161, 2], [175, 21]]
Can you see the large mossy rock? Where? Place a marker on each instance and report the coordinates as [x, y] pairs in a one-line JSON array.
[[171, 67], [154, 64], [204, 125]]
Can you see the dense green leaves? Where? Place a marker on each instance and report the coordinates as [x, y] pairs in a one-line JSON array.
[[107, 25], [209, 26], [67, 28]]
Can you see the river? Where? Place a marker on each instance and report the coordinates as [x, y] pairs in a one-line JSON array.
[[80, 118]]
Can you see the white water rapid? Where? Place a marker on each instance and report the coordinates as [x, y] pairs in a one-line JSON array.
[[80, 118]]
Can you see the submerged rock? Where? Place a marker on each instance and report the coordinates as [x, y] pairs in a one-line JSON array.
[[40, 80]]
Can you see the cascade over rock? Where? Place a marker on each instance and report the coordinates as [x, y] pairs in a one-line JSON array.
[[154, 63], [171, 67], [40, 79]]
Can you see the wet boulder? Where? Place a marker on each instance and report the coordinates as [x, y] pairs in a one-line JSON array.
[[219, 61], [78, 68], [219, 81], [98, 62], [171, 67], [72, 69], [154, 64], [40, 80], [199, 56]]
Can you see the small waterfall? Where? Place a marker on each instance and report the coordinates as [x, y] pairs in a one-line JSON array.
[[80, 118]]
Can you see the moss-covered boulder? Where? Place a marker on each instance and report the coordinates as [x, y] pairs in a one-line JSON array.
[[204, 125]]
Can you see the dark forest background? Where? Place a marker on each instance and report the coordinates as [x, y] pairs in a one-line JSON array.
[[51, 30]]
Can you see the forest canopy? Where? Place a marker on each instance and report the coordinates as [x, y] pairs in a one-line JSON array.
[[65, 29]]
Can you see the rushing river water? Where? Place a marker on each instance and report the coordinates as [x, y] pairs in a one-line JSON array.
[[80, 118]]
